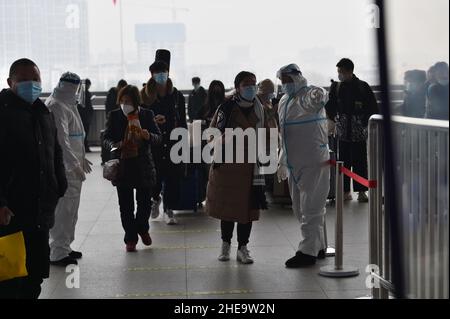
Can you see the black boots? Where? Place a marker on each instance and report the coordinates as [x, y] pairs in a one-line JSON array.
[[64, 262], [75, 254], [301, 260]]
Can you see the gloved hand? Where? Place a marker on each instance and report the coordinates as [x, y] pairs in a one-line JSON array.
[[5, 216], [87, 166], [282, 173], [79, 173]]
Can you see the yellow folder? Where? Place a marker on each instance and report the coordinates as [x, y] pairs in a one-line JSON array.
[[12, 257]]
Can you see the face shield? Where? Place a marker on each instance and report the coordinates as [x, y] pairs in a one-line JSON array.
[[81, 94], [69, 89]]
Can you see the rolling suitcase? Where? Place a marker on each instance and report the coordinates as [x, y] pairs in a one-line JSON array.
[[188, 190]]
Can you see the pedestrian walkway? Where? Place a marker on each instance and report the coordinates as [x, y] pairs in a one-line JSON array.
[[182, 262]]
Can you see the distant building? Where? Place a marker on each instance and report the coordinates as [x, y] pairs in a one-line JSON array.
[[54, 33]]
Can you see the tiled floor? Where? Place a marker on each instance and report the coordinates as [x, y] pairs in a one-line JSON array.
[[182, 262]]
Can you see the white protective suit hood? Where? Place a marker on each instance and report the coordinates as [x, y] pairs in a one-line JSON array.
[[293, 71], [67, 90]]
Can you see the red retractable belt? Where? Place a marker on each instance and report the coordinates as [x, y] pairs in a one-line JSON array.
[[361, 180]]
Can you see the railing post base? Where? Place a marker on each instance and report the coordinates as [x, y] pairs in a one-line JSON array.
[[345, 271]]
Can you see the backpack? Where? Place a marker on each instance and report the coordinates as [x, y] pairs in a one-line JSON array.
[[359, 131]]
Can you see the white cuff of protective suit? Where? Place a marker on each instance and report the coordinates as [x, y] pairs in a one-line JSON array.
[[77, 173], [282, 160]]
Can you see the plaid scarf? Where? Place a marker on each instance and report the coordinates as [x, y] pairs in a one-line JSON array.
[[132, 137]]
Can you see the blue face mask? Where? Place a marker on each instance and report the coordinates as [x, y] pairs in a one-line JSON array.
[[161, 78], [249, 93], [289, 88], [29, 91]]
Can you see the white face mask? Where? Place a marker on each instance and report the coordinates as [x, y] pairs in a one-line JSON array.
[[127, 109]]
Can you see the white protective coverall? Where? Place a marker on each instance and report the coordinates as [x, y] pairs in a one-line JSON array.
[[304, 156], [63, 104]]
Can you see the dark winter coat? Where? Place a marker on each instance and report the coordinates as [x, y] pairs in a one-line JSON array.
[[32, 174], [350, 105], [139, 171]]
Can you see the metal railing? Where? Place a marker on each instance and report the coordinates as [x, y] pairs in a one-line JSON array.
[[423, 176], [99, 119]]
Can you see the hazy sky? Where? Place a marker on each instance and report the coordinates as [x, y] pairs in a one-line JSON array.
[[278, 31]]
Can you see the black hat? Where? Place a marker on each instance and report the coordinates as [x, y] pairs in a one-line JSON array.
[[163, 55]]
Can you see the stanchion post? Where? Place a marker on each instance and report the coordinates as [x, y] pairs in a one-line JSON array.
[[374, 198], [339, 270], [339, 211]]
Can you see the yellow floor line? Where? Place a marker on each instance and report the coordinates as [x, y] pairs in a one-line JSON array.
[[182, 247], [178, 293], [194, 231], [149, 269]]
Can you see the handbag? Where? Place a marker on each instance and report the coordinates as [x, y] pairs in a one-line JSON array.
[[111, 170], [12, 257]]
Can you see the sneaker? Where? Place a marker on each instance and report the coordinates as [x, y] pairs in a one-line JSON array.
[[300, 260], [75, 254], [225, 254], [155, 208], [64, 262], [131, 247], [243, 256], [146, 239], [348, 196], [362, 197], [171, 220]]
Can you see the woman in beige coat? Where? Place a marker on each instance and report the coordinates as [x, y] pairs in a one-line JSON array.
[[235, 192]]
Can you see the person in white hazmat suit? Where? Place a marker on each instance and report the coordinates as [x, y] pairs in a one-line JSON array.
[[303, 160], [63, 104]]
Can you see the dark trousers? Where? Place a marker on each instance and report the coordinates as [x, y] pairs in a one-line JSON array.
[[243, 232], [354, 156], [38, 267], [87, 125], [134, 225], [21, 288], [86, 118]]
